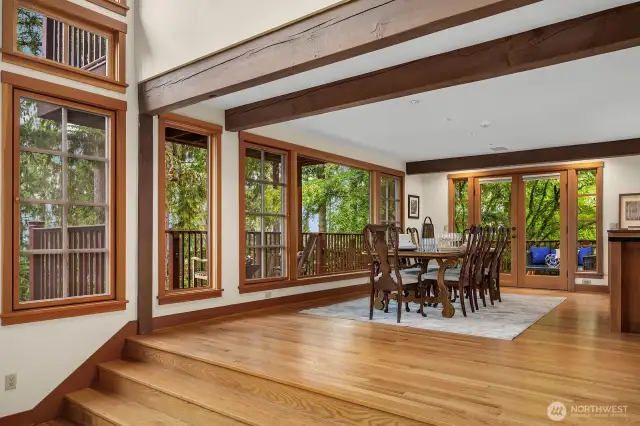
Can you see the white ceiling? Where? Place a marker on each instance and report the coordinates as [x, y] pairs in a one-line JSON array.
[[590, 100], [522, 19]]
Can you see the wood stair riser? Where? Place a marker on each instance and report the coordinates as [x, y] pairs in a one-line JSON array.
[[83, 417], [326, 407], [157, 400]]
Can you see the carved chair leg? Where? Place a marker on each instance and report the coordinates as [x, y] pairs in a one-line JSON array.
[[461, 291], [482, 293], [399, 297], [470, 296], [371, 300]]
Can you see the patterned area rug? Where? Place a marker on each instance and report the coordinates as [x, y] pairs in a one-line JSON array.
[[505, 320]]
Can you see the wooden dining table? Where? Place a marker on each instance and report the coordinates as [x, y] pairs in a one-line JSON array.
[[446, 259]]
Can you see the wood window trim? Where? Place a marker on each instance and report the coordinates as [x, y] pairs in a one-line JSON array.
[[291, 223], [527, 170], [12, 86], [400, 214], [69, 13], [573, 225], [119, 7], [214, 133]]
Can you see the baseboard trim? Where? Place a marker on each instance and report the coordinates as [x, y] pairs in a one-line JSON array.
[[588, 288], [83, 377], [205, 314]]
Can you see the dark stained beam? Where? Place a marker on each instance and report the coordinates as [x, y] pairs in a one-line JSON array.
[[587, 151], [595, 34], [350, 29], [145, 224]]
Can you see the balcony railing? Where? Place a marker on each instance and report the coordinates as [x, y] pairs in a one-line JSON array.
[[86, 271]]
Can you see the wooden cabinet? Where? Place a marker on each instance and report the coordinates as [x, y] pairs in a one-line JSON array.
[[624, 280]]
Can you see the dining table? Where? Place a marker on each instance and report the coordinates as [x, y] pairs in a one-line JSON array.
[[447, 258]]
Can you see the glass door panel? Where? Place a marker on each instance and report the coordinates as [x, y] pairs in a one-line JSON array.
[[542, 240], [496, 208]]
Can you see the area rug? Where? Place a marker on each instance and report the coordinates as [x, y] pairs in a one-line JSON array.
[[505, 320]]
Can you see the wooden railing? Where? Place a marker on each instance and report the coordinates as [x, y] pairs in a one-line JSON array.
[[85, 50], [86, 273], [181, 247], [333, 254]]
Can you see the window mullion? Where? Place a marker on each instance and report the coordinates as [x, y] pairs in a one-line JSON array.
[[263, 253], [65, 208]]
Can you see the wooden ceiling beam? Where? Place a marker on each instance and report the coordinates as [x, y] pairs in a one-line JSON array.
[[345, 31], [590, 35], [587, 151]]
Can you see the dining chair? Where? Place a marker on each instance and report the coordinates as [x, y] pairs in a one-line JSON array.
[[461, 278], [386, 275], [481, 266], [502, 239]]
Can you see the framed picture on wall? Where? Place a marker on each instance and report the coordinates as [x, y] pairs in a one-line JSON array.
[[414, 207], [629, 211]]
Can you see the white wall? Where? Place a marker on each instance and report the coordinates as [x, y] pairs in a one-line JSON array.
[[43, 354], [620, 175], [171, 34], [231, 213]]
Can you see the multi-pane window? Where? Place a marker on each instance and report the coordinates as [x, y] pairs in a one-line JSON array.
[[64, 232], [587, 223], [460, 205], [390, 193], [51, 37], [265, 213]]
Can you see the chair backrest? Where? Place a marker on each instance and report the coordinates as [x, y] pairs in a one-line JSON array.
[[502, 238], [415, 235], [305, 259], [474, 240], [483, 259], [381, 243]]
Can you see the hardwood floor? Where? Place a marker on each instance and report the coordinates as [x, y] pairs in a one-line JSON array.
[[284, 368]]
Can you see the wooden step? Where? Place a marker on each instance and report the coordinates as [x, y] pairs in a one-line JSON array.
[[90, 407], [244, 398], [57, 422]]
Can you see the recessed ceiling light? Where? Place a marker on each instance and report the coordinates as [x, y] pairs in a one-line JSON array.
[[472, 133], [485, 124], [414, 102], [449, 119]]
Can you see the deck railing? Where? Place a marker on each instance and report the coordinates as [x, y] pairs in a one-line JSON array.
[[84, 49], [182, 246], [86, 273]]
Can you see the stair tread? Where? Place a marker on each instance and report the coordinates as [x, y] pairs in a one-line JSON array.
[[243, 407], [121, 411]]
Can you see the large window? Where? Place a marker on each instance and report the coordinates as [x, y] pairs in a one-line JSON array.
[[302, 212], [390, 200], [588, 224], [62, 38], [189, 210], [265, 217], [63, 195], [335, 201]]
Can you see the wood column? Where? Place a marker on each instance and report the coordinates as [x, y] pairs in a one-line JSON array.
[[145, 224], [624, 280]]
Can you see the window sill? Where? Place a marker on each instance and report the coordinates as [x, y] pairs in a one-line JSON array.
[[64, 71], [178, 296], [588, 275], [58, 312], [113, 6], [254, 287]]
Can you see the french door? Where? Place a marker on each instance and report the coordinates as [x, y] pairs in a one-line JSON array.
[[534, 210]]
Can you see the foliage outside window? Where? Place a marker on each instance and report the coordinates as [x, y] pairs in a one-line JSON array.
[[335, 204], [390, 193], [461, 205], [55, 41], [587, 234], [265, 207], [186, 169], [495, 210]]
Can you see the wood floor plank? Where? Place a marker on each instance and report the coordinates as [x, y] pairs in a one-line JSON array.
[[433, 377]]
